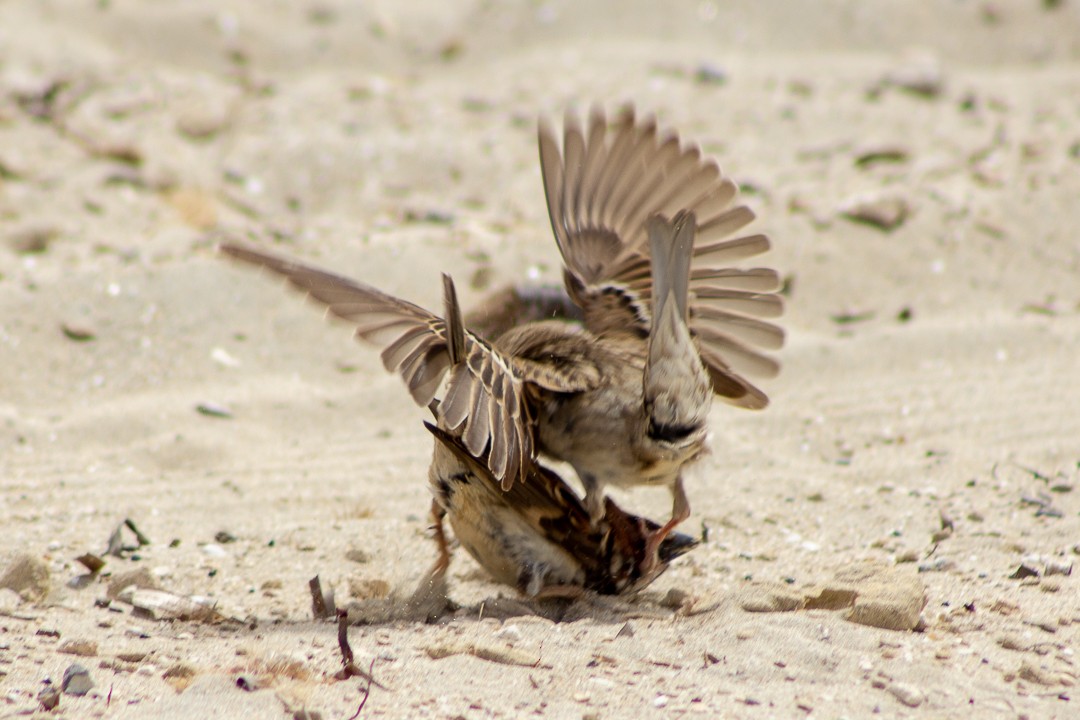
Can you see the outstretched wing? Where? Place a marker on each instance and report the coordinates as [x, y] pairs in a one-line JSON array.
[[603, 184], [484, 400]]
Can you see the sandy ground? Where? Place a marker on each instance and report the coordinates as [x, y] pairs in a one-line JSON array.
[[925, 428]]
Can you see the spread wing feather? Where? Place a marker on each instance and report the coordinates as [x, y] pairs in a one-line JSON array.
[[484, 399], [602, 186]]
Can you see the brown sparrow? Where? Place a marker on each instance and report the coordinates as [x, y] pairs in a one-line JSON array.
[[601, 190], [534, 535], [665, 319], [623, 396], [537, 536]]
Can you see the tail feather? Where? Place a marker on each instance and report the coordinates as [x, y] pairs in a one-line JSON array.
[[676, 386]]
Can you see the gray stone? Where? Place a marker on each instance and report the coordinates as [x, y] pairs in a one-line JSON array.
[[77, 680]]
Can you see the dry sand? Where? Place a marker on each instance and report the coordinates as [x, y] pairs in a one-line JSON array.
[[931, 376]]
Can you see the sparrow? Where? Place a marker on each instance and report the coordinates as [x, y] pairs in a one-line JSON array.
[[537, 536], [534, 535], [623, 394], [663, 316], [647, 416]]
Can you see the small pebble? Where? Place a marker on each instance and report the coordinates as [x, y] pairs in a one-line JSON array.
[[214, 551], [49, 697], [939, 565], [357, 555], [28, 576], [76, 680], [77, 333], [84, 648], [675, 599], [907, 693], [222, 357], [132, 656], [708, 74], [883, 211], [920, 73], [32, 239], [1058, 567], [509, 633]]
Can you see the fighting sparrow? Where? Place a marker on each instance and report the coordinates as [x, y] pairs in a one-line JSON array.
[[623, 395], [665, 319], [537, 536]]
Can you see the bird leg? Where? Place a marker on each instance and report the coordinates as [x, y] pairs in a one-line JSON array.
[[680, 510], [442, 561], [430, 599]]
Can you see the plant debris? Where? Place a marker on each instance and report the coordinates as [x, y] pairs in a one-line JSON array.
[[215, 410], [322, 603], [1024, 571], [76, 333], [91, 562], [116, 546]]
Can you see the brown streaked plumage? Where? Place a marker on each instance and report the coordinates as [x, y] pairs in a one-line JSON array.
[[513, 305], [537, 536], [483, 397], [664, 315], [647, 416], [602, 188], [623, 395]]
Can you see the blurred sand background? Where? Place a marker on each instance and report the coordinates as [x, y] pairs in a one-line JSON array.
[[925, 430]]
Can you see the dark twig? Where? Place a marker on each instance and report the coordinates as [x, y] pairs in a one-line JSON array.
[[143, 540], [348, 666], [367, 690], [343, 637], [318, 600], [117, 547]]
